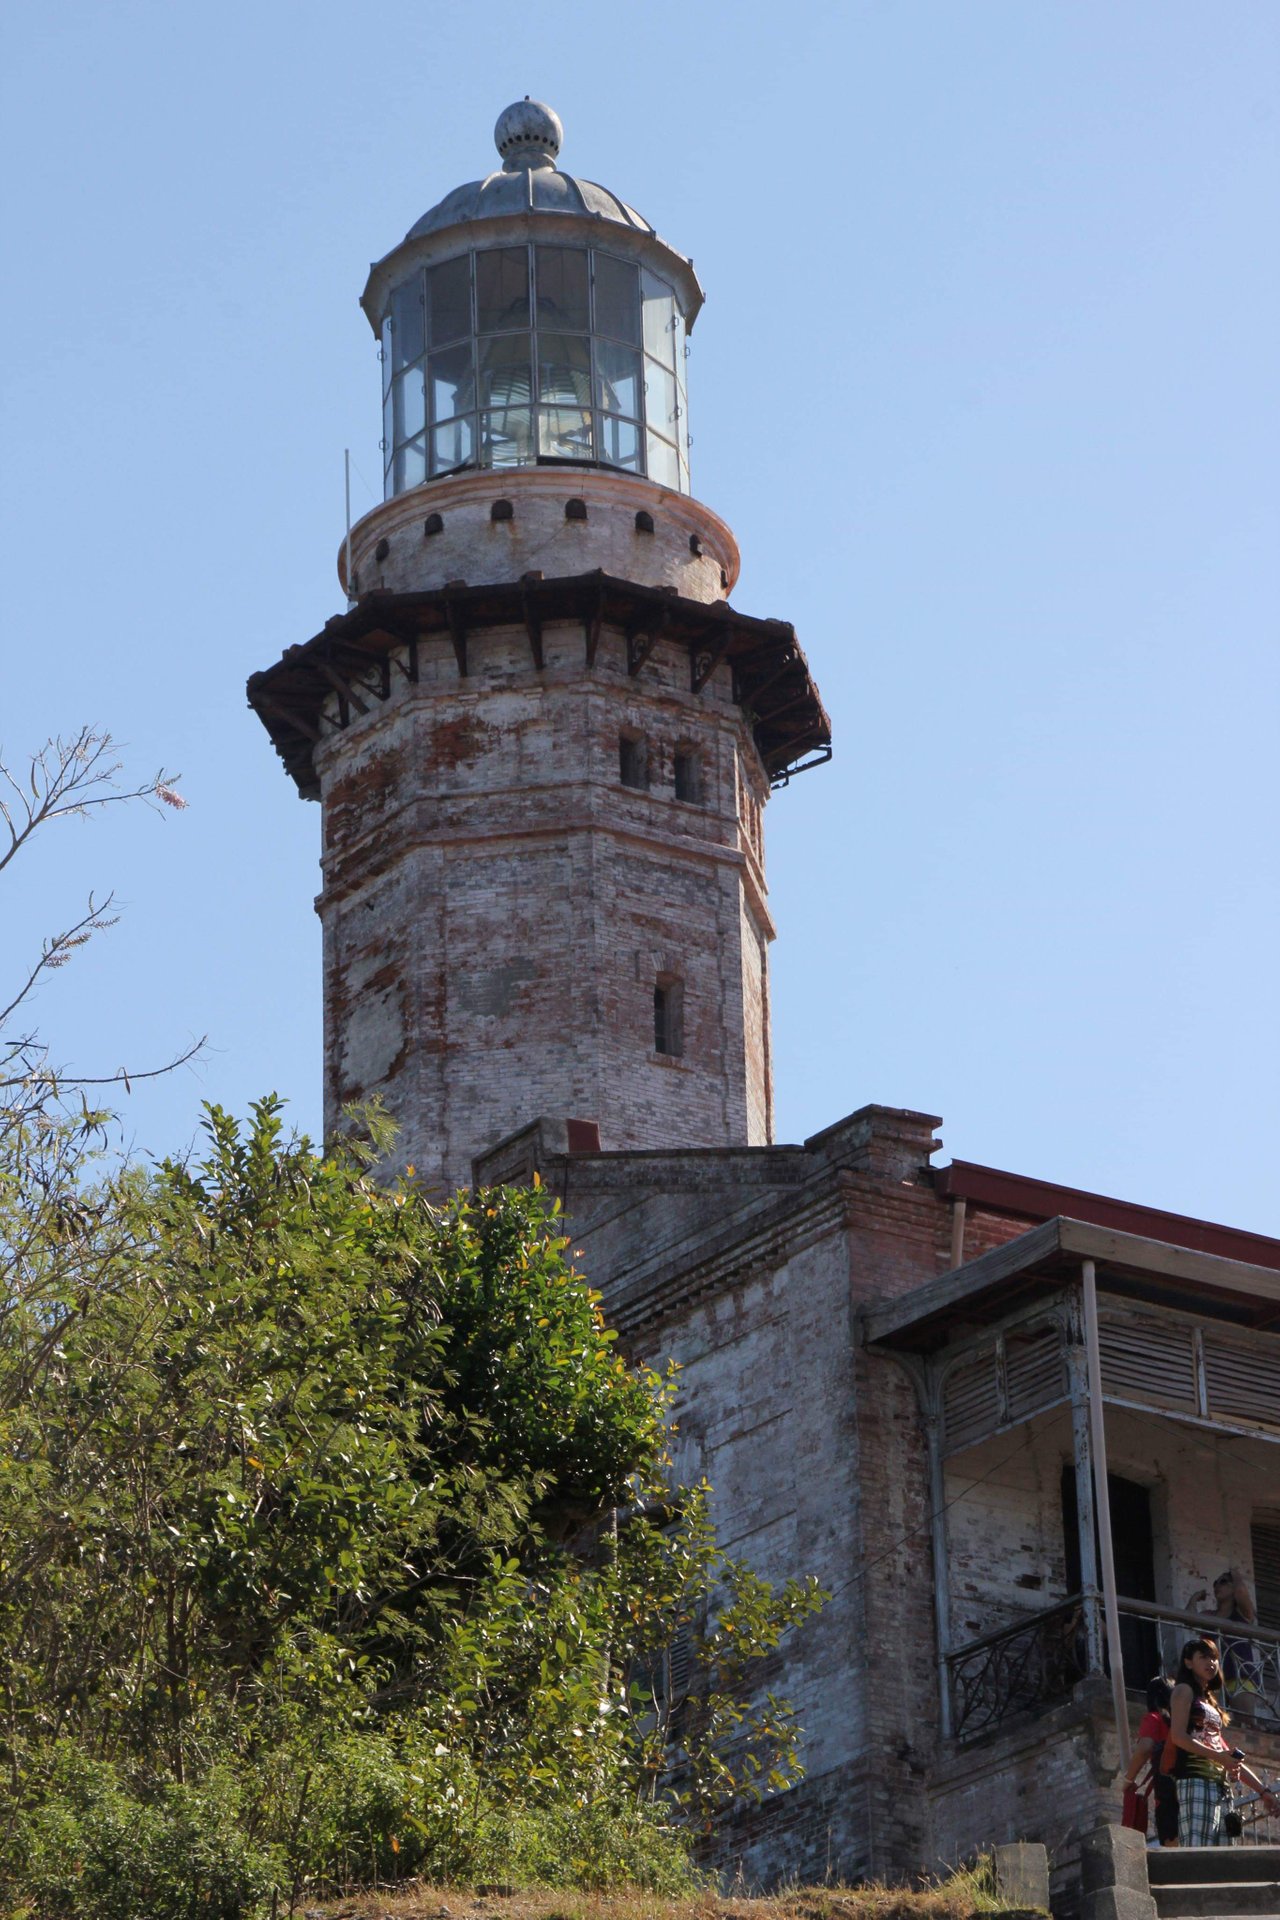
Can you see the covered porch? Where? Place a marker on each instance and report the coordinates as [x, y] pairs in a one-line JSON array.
[[1102, 1421]]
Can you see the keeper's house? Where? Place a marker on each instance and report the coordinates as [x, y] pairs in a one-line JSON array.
[[924, 1385]]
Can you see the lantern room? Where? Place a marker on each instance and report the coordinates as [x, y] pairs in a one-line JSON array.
[[532, 319]]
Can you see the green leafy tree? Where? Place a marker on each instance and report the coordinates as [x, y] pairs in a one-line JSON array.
[[290, 1465]]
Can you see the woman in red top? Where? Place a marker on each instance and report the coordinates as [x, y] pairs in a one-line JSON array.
[[1153, 1731]]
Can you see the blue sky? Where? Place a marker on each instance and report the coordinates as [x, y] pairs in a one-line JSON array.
[[986, 384]]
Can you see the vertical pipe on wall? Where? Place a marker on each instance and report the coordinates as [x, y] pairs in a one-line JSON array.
[[1086, 1531], [941, 1566], [1111, 1616], [957, 1232]]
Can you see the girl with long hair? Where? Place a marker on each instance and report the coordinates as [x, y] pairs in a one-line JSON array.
[[1204, 1762]]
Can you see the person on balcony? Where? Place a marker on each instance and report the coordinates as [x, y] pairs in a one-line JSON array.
[[1241, 1665], [1203, 1763]]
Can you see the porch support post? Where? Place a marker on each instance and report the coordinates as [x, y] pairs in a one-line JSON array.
[[1111, 1614], [941, 1566], [1082, 1454]]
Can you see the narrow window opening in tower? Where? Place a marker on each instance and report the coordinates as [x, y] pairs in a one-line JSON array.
[[688, 770], [668, 1016], [633, 760]]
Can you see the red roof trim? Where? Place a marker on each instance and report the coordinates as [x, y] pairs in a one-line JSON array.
[[1013, 1193]]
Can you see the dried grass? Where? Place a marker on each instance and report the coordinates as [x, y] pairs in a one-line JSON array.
[[961, 1897]]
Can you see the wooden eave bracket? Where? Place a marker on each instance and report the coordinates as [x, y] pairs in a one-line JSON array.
[[705, 655], [641, 640], [594, 622], [532, 625], [457, 633], [263, 703], [346, 692]]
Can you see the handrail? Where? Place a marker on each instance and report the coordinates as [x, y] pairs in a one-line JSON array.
[[1214, 1625], [1020, 1625], [1217, 1628]]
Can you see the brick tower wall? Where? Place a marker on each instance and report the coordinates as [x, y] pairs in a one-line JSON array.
[[498, 905]]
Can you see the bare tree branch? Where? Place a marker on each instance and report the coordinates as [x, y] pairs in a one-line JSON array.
[[56, 950], [71, 776], [123, 1076]]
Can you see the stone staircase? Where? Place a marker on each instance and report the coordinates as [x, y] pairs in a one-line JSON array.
[[1214, 1883]]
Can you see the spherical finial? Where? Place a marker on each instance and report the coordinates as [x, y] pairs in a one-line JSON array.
[[528, 134]]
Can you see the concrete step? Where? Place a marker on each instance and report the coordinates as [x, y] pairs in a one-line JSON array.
[[1206, 1900], [1178, 1865]]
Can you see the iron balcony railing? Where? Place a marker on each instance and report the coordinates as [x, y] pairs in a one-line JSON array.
[[1021, 1668], [1250, 1658], [1260, 1828], [1030, 1664]]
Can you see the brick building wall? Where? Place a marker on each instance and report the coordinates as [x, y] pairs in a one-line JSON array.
[[748, 1268]]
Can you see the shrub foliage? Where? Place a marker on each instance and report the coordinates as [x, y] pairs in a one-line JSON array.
[[334, 1545]]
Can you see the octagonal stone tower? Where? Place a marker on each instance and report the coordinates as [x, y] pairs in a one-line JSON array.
[[541, 738]]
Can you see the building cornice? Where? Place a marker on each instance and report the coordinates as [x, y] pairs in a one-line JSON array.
[[357, 660]]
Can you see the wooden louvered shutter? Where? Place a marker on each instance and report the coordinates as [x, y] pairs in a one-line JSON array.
[[970, 1404], [1149, 1360], [1265, 1541], [1242, 1383], [1034, 1370]]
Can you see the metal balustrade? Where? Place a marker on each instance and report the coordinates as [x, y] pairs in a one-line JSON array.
[[1018, 1669], [1250, 1658], [1030, 1664]]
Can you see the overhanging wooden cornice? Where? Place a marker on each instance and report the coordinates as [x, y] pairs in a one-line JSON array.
[[1038, 1262], [350, 658]]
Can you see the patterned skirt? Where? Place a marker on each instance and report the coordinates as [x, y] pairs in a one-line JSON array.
[[1201, 1805]]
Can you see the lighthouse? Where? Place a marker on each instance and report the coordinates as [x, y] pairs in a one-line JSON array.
[[541, 736]]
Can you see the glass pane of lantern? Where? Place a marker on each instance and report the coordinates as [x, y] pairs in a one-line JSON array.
[[617, 377], [564, 368], [505, 373], [618, 441], [406, 323], [450, 382], [454, 444], [386, 355], [659, 398], [502, 289], [408, 405], [662, 463], [564, 433], [506, 437], [449, 301], [659, 318], [617, 298], [411, 465], [562, 288]]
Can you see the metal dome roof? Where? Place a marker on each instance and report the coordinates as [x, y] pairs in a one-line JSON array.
[[522, 189], [528, 136]]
